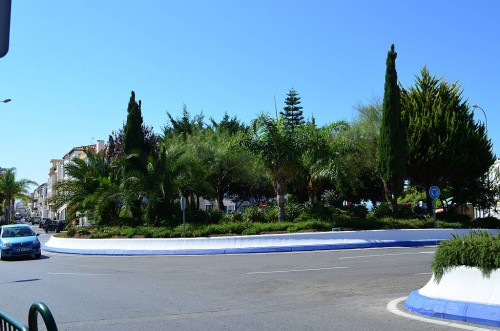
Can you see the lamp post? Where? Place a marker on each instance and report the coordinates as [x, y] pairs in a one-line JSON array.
[[486, 126], [7, 208], [485, 117]]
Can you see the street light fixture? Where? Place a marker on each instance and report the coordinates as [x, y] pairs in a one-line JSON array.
[[484, 113], [486, 125], [6, 100]]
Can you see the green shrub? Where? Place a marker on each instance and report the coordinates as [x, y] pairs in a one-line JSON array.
[[253, 214], [71, 231], [381, 210], [271, 213], [311, 225], [83, 231], [484, 223], [477, 249], [195, 216], [219, 229], [453, 217], [293, 209], [100, 235], [357, 211], [232, 217]]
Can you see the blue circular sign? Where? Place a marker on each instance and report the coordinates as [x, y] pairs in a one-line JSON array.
[[434, 192]]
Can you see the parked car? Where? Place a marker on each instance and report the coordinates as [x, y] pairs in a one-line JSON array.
[[55, 225], [35, 220], [19, 240]]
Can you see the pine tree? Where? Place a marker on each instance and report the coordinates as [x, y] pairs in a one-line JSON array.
[[292, 113], [392, 149]]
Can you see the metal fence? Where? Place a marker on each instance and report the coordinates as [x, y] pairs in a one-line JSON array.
[[8, 323]]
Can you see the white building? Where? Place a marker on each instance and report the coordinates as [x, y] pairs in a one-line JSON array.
[[493, 180], [57, 173], [40, 206]]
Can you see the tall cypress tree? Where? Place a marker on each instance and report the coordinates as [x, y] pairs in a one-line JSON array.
[[392, 148], [292, 111], [136, 151], [133, 137]]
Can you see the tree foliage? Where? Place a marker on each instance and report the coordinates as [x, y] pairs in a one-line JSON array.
[[445, 146], [12, 189], [392, 143], [292, 112], [135, 146], [280, 152], [363, 181]]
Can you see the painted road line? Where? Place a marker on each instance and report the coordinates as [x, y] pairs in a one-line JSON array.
[[76, 274], [393, 308], [381, 255], [293, 270]]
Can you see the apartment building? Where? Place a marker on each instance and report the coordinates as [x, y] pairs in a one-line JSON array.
[[57, 173]]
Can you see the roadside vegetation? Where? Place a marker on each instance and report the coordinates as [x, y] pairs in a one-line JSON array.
[[476, 250], [256, 220], [311, 174]]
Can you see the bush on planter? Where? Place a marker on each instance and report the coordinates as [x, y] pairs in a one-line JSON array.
[[477, 249]]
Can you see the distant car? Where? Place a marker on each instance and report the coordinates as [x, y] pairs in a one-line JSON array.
[[35, 220], [19, 240], [56, 226]]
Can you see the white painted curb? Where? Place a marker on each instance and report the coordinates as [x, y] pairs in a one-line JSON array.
[[255, 244], [463, 294]]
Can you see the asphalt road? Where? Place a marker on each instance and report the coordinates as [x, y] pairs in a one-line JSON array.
[[326, 290]]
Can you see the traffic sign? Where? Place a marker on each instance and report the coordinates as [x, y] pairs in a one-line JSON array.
[[434, 192]]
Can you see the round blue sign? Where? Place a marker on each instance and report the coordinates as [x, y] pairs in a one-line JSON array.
[[434, 192]]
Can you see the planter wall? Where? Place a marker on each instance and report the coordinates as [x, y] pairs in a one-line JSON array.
[[463, 294], [255, 244]]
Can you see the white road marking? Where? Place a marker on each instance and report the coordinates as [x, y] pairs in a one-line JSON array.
[[76, 274], [393, 308], [424, 273], [293, 270], [378, 255]]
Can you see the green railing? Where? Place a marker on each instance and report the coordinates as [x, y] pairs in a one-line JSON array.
[[8, 323]]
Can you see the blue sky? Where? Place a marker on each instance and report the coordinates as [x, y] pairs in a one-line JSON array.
[[72, 64]]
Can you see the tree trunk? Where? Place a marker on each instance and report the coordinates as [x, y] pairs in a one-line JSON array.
[[220, 201], [312, 192], [280, 191]]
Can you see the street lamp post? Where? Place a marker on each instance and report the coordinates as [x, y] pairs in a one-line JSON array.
[[7, 208], [486, 126], [485, 117]]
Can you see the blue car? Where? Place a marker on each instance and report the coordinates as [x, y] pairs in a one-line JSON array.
[[19, 240]]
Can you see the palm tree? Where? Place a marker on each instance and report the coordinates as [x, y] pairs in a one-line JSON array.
[[321, 147], [280, 151], [90, 188], [12, 189]]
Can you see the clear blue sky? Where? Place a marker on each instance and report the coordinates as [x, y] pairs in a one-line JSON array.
[[72, 64]]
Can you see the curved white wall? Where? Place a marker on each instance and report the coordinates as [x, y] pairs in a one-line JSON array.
[[261, 243], [465, 284]]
